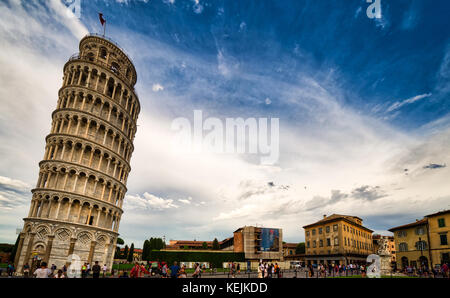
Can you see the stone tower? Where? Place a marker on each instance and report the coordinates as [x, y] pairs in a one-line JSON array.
[[77, 203]]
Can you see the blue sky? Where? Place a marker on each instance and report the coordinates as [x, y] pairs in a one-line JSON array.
[[359, 101]]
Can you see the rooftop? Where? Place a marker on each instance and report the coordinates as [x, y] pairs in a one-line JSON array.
[[410, 225]]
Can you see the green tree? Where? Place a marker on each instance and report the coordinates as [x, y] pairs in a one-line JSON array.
[[130, 254], [300, 249], [156, 244], [120, 241], [205, 245], [146, 250], [215, 244], [14, 250], [117, 254], [125, 253]]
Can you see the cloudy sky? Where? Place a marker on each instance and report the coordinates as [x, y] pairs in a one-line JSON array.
[[363, 107]]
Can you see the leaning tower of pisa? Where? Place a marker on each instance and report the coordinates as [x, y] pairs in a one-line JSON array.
[[77, 203]]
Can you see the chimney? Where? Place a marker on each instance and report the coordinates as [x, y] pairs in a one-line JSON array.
[[324, 215]]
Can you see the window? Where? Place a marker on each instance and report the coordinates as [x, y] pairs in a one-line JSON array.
[[115, 68], [327, 229], [403, 246], [443, 239], [314, 232], [335, 228], [307, 233], [421, 245], [401, 233], [320, 230], [103, 53], [420, 231], [328, 242], [320, 243], [314, 243], [307, 244], [441, 222], [336, 241]]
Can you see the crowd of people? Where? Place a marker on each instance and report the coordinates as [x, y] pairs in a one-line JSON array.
[[324, 270], [43, 271], [163, 270], [266, 270], [424, 271]]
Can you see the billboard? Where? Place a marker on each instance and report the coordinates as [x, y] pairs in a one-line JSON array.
[[270, 239]]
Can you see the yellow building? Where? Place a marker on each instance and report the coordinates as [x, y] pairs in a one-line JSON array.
[[338, 239], [439, 227], [423, 242]]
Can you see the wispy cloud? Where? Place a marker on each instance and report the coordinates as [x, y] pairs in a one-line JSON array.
[[148, 202], [398, 104]]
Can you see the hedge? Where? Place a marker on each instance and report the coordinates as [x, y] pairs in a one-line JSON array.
[[216, 259]]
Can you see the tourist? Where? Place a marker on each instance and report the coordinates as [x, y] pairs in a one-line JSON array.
[[104, 269], [124, 274], [197, 271], [26, 270], [174, 269], [60, 274], [260, 270], [164, 270], [182, 272], [53, 268], [10, 269], [42, 272], [238, 267], [84, 271], [142, 271], [96, 270], [135, 270]]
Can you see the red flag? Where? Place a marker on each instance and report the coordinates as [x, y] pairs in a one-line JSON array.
[[102, 20]]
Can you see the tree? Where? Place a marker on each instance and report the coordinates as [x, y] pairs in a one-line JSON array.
[[125, 252], [156, 244], [300, 249], [215, 244], [117, 254], [205, 245], [120, 241], [146, 250], [14, 249], [131, 253]]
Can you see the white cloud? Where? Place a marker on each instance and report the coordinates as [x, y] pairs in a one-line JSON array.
[[398, 104], [187, 201], [157, 87], [148, 202]]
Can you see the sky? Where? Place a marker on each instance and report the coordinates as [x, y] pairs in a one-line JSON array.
[[363, 107]]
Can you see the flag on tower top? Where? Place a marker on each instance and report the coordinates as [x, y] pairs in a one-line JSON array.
[[102, 20]]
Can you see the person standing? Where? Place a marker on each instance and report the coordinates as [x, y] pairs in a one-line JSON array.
[[60, 274], [10, 270], [42, 272], [96, 270], [174, 269], [26, 270], [83, 271], [164, 270], [105, 268]]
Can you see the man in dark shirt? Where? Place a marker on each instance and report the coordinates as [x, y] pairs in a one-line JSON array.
[[174, 270], [96, 270]]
